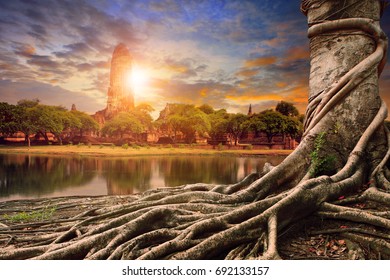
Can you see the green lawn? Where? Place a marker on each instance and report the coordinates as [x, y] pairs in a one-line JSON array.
[[114, 151]]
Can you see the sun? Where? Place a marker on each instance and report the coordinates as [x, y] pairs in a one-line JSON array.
[[138, 79]]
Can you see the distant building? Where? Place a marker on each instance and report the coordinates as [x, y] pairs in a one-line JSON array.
[[250, 110], [120, 96]]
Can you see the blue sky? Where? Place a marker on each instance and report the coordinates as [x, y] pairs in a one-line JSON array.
[[228, 54]]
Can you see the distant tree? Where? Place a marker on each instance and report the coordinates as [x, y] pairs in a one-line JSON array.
[[28, 122], [9, 118], [205, 108], [87, 122], [184, 118], [197, 122], [236, 126], [255, 123], [121, 124], [27, 103], [142, 114], [219, 121], [287, 109], [62, 120], [273, 123]]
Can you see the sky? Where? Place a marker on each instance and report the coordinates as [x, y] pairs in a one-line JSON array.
[[224, 53]]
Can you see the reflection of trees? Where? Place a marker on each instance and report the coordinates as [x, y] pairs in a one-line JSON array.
[[125, 175], [35, 176], [184, 170]]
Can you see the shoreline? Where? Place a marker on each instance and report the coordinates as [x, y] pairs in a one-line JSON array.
[[107, 151]]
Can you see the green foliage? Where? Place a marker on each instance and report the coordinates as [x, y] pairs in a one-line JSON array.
[[207, 109], [287, 109], [237, 125], [219, 121], [9, 118], [40, 215], [125, 146], [336, 127], [27, 103], [321, 163], [121, 124], [85, 122], [184, 118], [220, 147]]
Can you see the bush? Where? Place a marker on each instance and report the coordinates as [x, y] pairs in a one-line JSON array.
[[125, 146], [248, 147], [135, 146], [220, 147]]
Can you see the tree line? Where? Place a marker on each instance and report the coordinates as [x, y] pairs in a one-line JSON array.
[[189, 121], [33, 118]]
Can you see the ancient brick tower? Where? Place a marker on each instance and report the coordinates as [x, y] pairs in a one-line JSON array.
[[120, 93]]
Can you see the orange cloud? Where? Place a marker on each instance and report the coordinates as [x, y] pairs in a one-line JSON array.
[[26, 50], [203, 92], [297, 53], [247, 73], [178, 68], [253, 98], [260, 61], [281, 84]]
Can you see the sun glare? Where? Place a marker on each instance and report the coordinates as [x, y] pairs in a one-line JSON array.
[[138, 80]]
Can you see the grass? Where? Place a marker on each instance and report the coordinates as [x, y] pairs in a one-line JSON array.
[[41, 215], [98, 150]]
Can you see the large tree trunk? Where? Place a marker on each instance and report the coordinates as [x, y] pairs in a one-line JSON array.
[[345, 146]]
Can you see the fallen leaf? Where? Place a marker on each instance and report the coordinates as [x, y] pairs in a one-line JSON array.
[[341, 242], [319, 253], [313, 250]]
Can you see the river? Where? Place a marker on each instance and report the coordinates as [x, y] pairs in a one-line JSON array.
[[30, 176]]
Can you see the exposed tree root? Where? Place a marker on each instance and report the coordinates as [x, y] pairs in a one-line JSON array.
[[239, 221]]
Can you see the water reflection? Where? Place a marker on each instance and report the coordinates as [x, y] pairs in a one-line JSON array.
[[23, 176]]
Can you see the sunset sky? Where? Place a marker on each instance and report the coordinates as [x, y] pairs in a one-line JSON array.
[[225, 53]]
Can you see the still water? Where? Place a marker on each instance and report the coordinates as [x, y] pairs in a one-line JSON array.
[[26, 177]]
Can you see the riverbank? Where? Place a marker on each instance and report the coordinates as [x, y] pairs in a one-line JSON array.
[[114, 151]]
